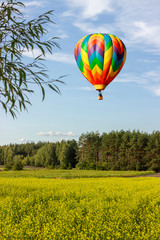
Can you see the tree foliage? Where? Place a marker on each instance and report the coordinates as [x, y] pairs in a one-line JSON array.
[[123, 150], [17, 36], [46, 156], [66, 154], [117, 150]]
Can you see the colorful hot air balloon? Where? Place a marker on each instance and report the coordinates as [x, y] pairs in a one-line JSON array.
[[100, 57]]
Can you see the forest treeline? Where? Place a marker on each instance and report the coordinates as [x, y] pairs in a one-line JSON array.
[[117, 150]]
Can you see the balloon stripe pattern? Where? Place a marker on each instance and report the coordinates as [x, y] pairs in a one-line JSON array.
[[100, 57]]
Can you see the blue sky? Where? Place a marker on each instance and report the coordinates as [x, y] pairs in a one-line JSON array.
[[131, 101]]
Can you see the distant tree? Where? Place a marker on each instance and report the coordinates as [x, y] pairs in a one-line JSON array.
[[8, 166], [66, 154], [153, 152], [109, 150], [1, 156], [27, 161], [72, 150], [155, 165], [131, 163], [117, 150], [8, 154], [18, 35], [46, 156], [88, 152], [17, 165], [30, 149], [141, 151], [63, 155]]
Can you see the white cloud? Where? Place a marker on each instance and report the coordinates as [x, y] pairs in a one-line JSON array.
[[86, 88], [63, 35], [131, 78], [24, 140], [136, 22], [152, 76], [154, 89], [89, 8], [61, 57], [56, 57], [67, 14], [57, 134], [149, 77], [139, 22], [34, 3], [143, 34], [147, 60], [89, 27], [148, 80], [91, 88]]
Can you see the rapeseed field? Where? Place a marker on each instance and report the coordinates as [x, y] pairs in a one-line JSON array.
[[84, 208]]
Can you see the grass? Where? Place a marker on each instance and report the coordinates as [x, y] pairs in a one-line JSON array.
[[77, 209], [74, 173]]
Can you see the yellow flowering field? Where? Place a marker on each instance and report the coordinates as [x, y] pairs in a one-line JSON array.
[[84, 208]]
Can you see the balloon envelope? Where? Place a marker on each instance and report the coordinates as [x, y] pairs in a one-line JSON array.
[[100, 57]]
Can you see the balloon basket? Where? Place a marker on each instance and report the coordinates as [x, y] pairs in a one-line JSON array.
[[100, 97]]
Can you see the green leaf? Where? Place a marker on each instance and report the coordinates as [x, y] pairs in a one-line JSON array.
[[43, 92], [17, 35], [55, 88]]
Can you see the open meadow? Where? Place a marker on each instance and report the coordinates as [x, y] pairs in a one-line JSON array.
[[81, 208], [74, 173]]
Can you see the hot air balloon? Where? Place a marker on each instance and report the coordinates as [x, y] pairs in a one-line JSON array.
[[100, 57]]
